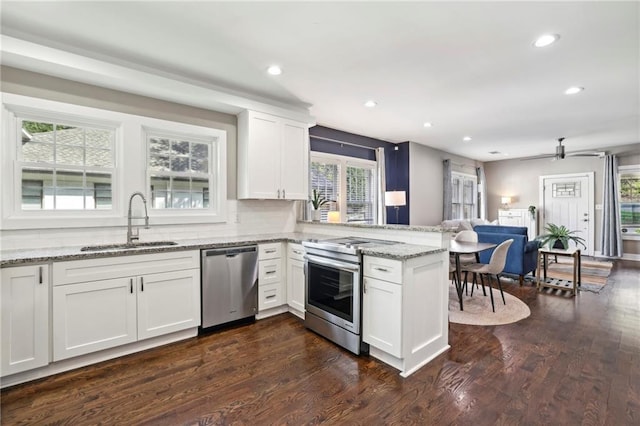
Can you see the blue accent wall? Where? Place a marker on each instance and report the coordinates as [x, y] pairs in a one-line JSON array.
[[396, 161]]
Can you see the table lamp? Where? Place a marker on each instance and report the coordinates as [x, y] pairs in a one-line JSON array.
[[395, 199]]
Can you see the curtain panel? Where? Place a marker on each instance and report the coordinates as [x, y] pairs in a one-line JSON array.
[[381, 187], [482, 193], [447, 190], [611, 239]]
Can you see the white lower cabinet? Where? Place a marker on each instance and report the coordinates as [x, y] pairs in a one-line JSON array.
[[92, 314], [272, 290], [296, 293], [382, 331], [25, 318], [405, 309]]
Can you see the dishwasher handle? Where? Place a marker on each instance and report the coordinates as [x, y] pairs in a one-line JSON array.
[[229, 252]]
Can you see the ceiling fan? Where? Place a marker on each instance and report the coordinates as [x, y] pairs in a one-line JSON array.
[[560, 153]]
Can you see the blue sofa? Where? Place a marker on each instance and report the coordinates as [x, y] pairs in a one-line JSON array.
[[522, 256]]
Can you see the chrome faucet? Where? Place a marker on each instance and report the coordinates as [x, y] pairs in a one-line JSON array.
[[131, 235]]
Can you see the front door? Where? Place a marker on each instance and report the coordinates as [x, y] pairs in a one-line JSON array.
[[568, 200]]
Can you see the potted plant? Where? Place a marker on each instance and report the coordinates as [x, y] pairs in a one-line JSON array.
[[559, 237], [317, 201]]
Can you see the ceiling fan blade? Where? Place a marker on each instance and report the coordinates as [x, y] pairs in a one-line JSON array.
[[599, 154], [538, 157]]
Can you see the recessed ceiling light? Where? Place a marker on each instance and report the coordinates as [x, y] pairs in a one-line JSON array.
[[466, 138], [274, 70], [427, 124], [573, 90], [370, 104], [546, 40]]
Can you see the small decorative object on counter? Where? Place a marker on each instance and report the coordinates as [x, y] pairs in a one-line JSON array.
[[532, 211], [317, 201]]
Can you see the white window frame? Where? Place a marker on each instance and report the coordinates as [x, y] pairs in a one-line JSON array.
[[216, 139], [465, 177], [343, 162], [129, 168], [635, 168]]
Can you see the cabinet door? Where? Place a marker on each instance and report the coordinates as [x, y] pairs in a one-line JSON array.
[[295, 161], [93, 316], [296, 285], [382, 315], [263, 153], [168, 302], [25, 318]]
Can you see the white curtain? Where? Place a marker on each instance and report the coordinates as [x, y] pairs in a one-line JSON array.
[[447, 190], [381, 187], [611, 242], [482, 193]]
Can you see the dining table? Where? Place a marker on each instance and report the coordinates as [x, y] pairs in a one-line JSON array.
[[458, 248]]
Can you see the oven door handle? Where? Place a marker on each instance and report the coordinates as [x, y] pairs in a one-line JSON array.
[[332, 263]]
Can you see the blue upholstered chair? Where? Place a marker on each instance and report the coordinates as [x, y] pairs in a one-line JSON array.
[[522, 256]]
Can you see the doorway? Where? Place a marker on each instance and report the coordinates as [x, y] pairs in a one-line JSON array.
[[569, 200]]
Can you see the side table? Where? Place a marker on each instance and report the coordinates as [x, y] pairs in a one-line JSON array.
[[542, 281]]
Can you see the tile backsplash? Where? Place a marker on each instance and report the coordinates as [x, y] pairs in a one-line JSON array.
[[245, 217]]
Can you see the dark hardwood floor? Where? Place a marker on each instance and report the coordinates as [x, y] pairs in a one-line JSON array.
[[574, 361]]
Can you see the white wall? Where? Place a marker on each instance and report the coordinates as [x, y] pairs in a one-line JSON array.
[[520, 180], [426, 183], [244, 217]]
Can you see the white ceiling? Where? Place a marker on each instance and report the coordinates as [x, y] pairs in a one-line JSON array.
[[467, 67]]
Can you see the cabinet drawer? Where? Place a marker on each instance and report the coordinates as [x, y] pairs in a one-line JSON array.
[[269, 251], [269, 271], [383, 269], [510, 213], [270, 296], [77, 271], [295, 251]]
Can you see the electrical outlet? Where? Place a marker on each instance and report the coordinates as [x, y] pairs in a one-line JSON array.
[[598, 206]]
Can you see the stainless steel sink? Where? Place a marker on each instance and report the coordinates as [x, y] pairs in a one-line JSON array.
[[126, 246]]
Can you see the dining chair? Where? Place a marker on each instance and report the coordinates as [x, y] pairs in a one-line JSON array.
[[468, 236], [493, 268]]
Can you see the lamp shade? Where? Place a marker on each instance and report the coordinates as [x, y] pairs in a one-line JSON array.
[[506, 200], [333, 217], [395, 198]]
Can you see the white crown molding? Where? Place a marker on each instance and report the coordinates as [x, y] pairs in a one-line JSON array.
[[34, 57]]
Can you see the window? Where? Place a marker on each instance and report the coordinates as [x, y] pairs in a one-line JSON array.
[[179, 173], [60, 165], [629, 187], [348, 183], [464, 198], [72, 166]]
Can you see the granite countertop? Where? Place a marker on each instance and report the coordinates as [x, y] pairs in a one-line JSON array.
[[421, 228], [398, 251]]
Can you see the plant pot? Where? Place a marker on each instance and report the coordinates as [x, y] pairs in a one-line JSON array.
[[316, 215], [558, 245]]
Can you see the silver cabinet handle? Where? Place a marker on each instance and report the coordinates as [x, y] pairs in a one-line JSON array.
[[141, 283], [381, 269], [278, 193], [40, 275], [131, 285], [270, 251], [270, 272], [298, 252], [271, 297], [284, 194], [364, 286]]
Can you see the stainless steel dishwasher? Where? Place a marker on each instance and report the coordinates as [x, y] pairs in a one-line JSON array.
[[229, 285]]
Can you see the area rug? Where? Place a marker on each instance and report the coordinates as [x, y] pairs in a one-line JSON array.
[[477, 309], [594, 273]]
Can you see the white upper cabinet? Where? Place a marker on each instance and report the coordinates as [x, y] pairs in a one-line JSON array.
[[273, 157]]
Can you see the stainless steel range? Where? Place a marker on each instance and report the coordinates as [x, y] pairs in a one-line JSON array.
[[333, 271]]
